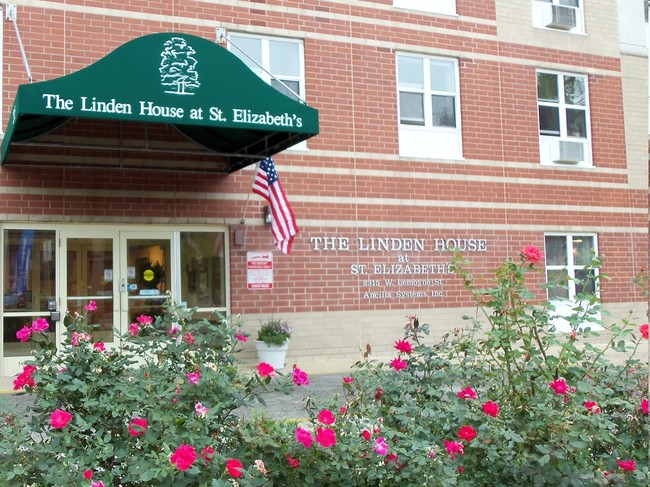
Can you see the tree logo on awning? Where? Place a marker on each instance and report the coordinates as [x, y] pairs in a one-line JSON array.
[[178, 67]]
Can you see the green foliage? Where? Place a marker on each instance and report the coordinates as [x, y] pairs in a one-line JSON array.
[[504, 400], [106, 390]]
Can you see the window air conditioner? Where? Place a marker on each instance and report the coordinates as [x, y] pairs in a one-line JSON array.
[[571, 152], [563, 18]]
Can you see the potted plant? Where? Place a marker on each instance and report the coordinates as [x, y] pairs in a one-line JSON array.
[[273, 341]]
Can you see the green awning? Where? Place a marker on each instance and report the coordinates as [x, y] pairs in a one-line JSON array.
[[163, 100]]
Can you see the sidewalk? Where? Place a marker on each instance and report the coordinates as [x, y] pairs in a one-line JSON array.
[[322, 388]]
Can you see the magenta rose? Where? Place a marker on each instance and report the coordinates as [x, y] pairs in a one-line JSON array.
[[138, 427], [183, 457], [59, 419]]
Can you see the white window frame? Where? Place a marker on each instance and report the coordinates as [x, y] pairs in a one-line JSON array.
[[266, 64], [559, 149], [446, 7], [564, 306], [428, 141], [543, 17]]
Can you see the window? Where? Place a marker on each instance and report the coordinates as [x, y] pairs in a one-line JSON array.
[[282, 61], [283, 58], [567, 264], [559, 15], [436, 6], [429, 107], [563, 108]]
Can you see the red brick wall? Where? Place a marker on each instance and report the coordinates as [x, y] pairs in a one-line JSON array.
[[351, 182]]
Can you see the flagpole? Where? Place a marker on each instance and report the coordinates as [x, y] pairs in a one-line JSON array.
[[257, 168]]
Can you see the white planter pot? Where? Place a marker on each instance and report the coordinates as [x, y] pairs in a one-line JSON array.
[[272, 354]]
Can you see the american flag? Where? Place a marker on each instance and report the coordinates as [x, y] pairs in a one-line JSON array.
[[268, 186]]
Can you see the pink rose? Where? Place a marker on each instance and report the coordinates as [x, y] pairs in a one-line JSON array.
[[366, 435], [398, 364], [99, 347], [59, 419], [381, 447], [644, 406], [348, 380], [300, 377], [326, 417], [134, 329], [467, 393], [144, 320], [559, 386], [404, 346], [189, 338], [454, 447], [88, 474], [138, 427], [193, 377], [532, 254], [25, 378], [200, 409], [592, 407], [99, 483], [304, 436], [91, 306], [265, 370], [183, 457], [40, 325], [644, 330], [235, 468], [24, 334], [242, 337], [326, 437]]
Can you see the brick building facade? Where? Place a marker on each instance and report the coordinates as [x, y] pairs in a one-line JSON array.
[[480, 125]]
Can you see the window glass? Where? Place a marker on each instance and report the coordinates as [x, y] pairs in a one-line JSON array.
[[570, 3], [411, 108], [203, 270], [443, 111], [583, 250], [576, 123], [284, 58], [547, 87], [556, 250], [29, 258], [253, 49], [549, 120], [289, 88], [410, 72], [574, 90], [443, 75]]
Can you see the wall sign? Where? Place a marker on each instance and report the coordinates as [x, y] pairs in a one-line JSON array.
[[259, 270], [410, 274]]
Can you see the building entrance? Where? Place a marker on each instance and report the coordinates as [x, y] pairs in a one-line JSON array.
[[51, 273]]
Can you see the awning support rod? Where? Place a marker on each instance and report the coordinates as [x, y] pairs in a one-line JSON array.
[[221, 35], [10, 14]]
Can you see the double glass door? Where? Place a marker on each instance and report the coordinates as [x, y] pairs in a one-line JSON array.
[[126, 277], [53, 274], [50, 273]]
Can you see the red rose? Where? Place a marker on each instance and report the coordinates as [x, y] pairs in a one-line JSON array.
[[235, 468], [138, 427]]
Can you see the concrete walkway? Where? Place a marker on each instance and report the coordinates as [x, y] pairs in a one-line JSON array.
[[278, 406]]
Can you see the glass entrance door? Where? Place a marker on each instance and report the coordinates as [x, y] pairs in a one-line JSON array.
[[89, 276], [146, 275]]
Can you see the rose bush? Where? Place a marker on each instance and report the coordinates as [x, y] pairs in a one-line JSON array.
[[160, 410], [504, 400]]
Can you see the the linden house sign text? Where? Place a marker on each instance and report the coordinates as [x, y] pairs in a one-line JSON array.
[[409, 274]]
